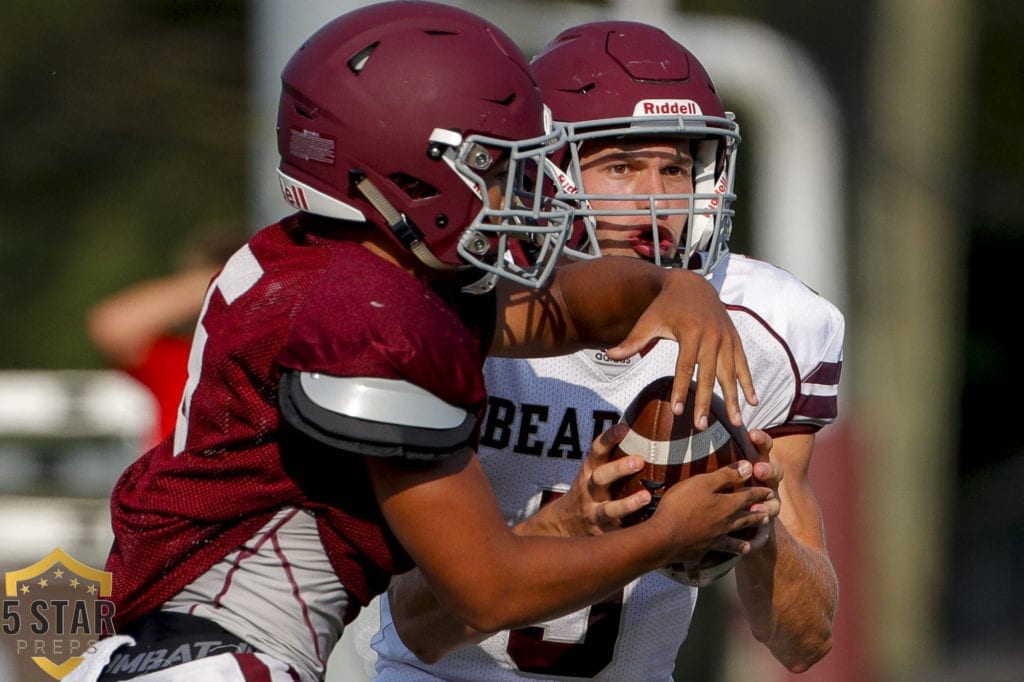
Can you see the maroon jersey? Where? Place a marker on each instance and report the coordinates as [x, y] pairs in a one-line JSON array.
[[290, 300]]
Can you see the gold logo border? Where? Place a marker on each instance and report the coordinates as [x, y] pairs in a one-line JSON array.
[[58, 556]]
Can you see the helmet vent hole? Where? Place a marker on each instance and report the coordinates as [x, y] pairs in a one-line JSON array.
[[439, 32], [305, 113], [358, 61], [505, 102], [414, 188]]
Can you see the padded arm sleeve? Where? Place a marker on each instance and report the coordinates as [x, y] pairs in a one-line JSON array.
[[376, 417]]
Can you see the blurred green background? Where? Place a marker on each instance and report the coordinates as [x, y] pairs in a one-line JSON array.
[[126, 123]]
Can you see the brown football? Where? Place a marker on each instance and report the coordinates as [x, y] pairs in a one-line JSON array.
[[674, 450]]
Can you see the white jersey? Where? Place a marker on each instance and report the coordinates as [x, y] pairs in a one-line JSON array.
[[542, 416]]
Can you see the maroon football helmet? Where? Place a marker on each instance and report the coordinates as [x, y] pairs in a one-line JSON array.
[[395, 113], [614, 79]]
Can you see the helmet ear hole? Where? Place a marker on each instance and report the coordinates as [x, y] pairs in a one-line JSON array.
[[414, 188]]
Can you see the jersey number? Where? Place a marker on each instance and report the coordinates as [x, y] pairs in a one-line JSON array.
[[239, 274], [579, 644]]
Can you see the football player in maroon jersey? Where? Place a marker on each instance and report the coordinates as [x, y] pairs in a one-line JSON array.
[[328, 425]]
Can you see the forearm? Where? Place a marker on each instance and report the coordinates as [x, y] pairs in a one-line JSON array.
[[490, 578], [476, 577], [789, 592], [591, 303], [428, 629], [538, 578], [603, 303]]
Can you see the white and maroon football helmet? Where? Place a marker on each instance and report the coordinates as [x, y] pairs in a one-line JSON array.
[[615, 79], [394, 113]]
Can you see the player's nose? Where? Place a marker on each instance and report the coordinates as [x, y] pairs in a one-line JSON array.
[[649, 186]]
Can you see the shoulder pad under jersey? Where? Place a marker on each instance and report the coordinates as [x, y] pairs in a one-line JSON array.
[[374, 416]]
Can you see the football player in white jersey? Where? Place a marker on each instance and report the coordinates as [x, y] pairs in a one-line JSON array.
[[652, 154]]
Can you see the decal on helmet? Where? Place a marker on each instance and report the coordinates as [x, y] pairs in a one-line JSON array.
[[667, 107], [312, 146]]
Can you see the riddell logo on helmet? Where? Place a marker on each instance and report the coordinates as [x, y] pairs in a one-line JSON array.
[[671, 107], [719, 191], [294, 195], [565, 182]]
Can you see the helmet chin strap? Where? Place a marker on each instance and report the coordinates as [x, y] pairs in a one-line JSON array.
[[406, 232]]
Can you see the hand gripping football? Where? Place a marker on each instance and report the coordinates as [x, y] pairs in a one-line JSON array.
[[675, 450]]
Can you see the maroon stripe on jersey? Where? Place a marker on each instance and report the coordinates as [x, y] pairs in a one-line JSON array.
[[816, 406], [790, 429], [253, 669], [794, 408], [826, 373], [246, 552], [287, 566]]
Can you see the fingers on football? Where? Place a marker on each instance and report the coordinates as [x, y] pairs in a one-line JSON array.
[[759, 505], [602, 448], [607, 441], [770, 507], [732, 476], [762, 441], [724, 363], [736, 545], [760, 538], [745, 518], [733, 369], [685, 364], [743, 374], [613, 511], [732, 545], [606, 474]]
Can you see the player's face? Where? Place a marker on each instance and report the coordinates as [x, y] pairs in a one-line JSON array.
[[496, 180], [638, 167]]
